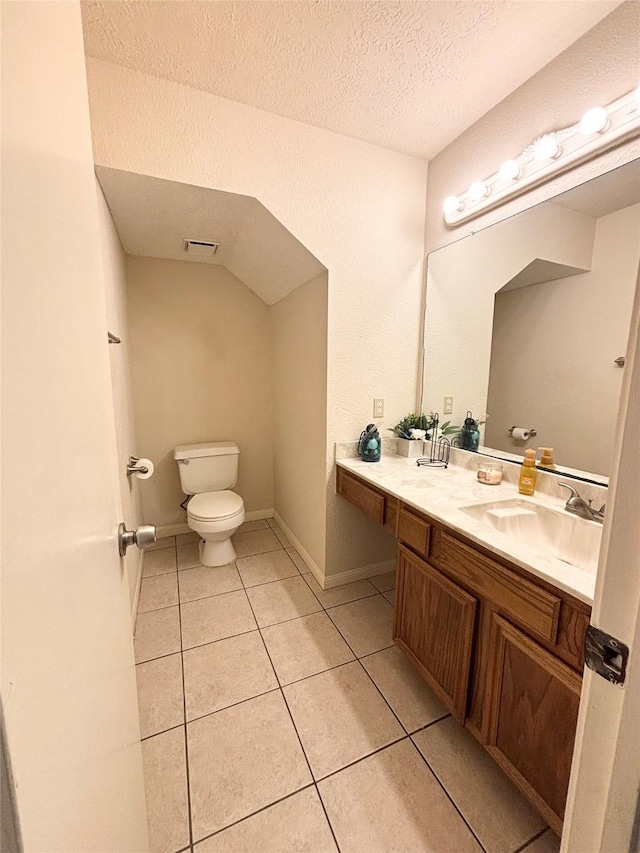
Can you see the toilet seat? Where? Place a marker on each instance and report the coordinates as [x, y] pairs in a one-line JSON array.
[[208, 506]]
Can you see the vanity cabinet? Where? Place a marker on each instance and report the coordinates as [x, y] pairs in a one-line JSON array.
[[532, 704], [502, 648], [434, 626], [375, 503]]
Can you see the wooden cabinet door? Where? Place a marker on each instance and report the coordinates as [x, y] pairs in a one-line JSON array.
[[434, 626], [532, 712]]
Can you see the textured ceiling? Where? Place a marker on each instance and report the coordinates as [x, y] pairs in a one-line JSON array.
[[410, 76], [153, 216]]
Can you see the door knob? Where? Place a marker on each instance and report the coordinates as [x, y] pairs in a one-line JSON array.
[[142, 536]]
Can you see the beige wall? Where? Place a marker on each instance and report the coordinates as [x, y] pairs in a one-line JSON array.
[[358, 208], [201, 372], [553, 352], [115, 289], [599, 67], [299, 351]]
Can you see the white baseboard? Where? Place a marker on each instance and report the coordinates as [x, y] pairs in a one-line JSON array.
[[341, 578], [258, 514], [164, 530], [359, 574], [136, 597], [313, 567]]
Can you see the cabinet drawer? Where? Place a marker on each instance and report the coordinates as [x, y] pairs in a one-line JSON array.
[[534, 608], [413, 531], [360, 495]]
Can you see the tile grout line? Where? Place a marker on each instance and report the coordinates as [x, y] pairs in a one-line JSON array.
[[363, 758], [233, 705], [353, 652], [326, 814], [293, 723], [314, 782], [401, 724], [428, 725], [407, 735], [523, 847], [253, 814], [186, 737], [449, 797], [358, 598]]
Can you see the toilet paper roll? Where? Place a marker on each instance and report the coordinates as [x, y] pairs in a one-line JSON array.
[[520, 433], [144, 463]]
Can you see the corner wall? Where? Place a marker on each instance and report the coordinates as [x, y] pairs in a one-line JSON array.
[[358, 208], [201, 366], [115, 291], [596, 69], [299, 352]]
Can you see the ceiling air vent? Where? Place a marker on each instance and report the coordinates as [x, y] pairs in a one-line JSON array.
[[201, 248]]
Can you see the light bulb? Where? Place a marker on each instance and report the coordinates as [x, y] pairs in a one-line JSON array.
[[452, 204], [546, 148], [478, 190], [510, 170], [594, 120]]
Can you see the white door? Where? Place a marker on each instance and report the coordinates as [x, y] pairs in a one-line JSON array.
[[68, 679], [603, 807]]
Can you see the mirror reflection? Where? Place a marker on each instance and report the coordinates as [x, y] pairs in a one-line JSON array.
[[526, 323]]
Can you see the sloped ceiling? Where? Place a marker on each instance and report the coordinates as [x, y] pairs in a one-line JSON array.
[[410, 76], [153, 216], [539, 271]]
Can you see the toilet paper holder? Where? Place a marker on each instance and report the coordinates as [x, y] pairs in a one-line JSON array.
[[532, 432], [134, 468]]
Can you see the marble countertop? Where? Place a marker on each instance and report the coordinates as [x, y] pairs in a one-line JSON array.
[[442, 493]]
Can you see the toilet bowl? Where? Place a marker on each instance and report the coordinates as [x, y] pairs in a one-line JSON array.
[[216, 516], [207, 471]]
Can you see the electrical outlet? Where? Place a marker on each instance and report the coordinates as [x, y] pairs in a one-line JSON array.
[[378, 407], [448, 406]]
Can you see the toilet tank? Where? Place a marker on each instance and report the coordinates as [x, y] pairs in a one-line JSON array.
[[208, 467]]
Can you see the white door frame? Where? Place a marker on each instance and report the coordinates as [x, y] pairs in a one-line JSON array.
[[602, 805]]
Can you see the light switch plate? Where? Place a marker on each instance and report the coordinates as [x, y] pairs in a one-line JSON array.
[[378, 407]]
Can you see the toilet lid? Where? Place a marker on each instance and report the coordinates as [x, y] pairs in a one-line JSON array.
[[209, 505]]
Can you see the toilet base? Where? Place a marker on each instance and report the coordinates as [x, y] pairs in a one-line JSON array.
[[216, 553]]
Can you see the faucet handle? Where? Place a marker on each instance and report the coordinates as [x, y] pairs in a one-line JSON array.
[[574, 492]]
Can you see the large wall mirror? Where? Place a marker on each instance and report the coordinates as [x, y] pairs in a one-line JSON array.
[[527, 320]]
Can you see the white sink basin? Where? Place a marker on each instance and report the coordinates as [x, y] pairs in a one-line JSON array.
[[554, 533]]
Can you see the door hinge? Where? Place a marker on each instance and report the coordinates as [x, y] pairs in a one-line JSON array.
[[605, 655]]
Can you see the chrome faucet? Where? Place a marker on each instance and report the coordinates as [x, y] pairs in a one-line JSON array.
[[578, 506]]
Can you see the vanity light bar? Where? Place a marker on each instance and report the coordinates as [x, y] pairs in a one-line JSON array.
[[599, 129]]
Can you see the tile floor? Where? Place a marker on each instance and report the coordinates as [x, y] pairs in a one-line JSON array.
[[279, 717]]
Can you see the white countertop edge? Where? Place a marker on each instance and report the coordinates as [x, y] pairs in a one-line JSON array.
[[441, 493]]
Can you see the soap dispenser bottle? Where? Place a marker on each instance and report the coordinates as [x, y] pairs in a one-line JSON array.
[[528, 473], [547, 457]]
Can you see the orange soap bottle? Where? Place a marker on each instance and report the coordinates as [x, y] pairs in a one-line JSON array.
[[528, 473]]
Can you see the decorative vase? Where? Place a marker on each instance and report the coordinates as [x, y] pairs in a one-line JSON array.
[[410, 447], [369, 446]]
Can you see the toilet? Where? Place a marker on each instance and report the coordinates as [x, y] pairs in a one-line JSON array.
[[207, 473]]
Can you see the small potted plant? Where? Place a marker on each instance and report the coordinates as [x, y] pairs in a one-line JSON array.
[[444, 428], [411, 432]]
